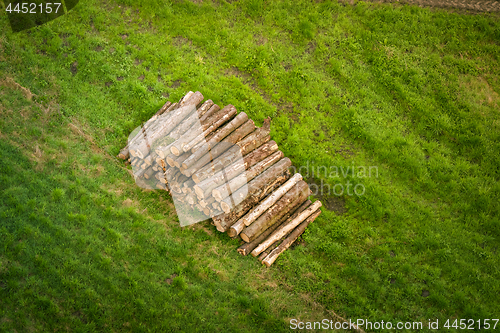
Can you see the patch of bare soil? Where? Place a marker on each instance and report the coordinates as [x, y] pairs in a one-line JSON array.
[[331, 202], [74, 68], [176, 84]]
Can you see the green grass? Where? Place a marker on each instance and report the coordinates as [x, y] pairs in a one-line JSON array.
[[413, 92]]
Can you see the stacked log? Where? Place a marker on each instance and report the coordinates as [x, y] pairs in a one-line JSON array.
[[217, 163]]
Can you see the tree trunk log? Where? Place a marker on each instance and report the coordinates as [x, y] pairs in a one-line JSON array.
[[228, 147], [287, 226], [193, 119], [264, 253], [256, 190], [186, 97], [256, 139], [161, 186], [231, 170], [165, 126], [179, 159], [171, 160], [231, 156], [245, 129], [213, 110], [264, 205], [271, 258], [195, 99], [225, 131], [124, 153], [222, 192], [216, 121], [148, 173], [152, 121], [248, 247], [292, 198], [176, 146], [142, 147], [204, 203]]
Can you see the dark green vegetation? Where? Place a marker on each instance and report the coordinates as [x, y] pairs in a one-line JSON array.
[[411, 91]]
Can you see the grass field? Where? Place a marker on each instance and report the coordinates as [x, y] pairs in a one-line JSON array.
[[411, 94]]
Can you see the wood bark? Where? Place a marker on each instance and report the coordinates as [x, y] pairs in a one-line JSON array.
[[271, 258], [287, 226], [219, 119], [148, 159], [263, 206], [205, 185], [165, 127], [171, 160], [264, 253], [256, 139], [176, 147], [257, 189], [193, 119], [149, 173], [248, 247], [150, 126], [213, 110], [225, 152], [232, 154], [235, 168], [227, 146], [124, 153], [163, 149], [195, 99], [172, 173], [294, 196], [223, 191], [209, 127], [161, 186], [209, 145], [185, 98], [179, 159], [207, 202]]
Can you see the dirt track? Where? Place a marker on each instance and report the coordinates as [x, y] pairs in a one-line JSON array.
[[472, 5]]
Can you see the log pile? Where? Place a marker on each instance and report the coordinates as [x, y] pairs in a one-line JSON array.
[[219, 165]]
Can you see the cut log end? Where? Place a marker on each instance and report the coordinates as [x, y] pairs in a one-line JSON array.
[[217, 195], [244, 237], [175, 151], [198, 191], [196, 179], [225, 207]]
